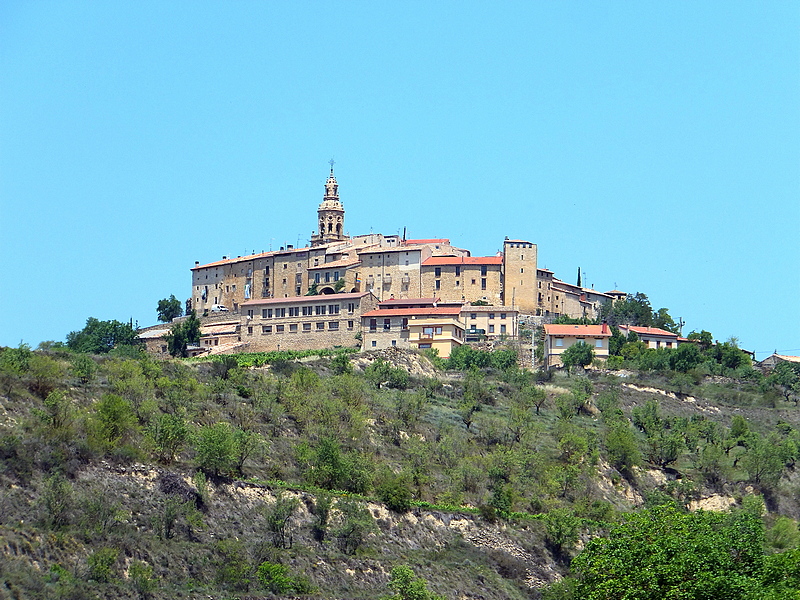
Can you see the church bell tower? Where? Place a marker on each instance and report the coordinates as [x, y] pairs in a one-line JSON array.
[[330, 214]]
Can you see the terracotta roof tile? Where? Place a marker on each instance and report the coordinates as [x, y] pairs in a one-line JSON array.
[[462, 260], [452, 311], [588, 330]]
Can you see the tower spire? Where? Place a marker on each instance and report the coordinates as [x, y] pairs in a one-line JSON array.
[[330, 213]]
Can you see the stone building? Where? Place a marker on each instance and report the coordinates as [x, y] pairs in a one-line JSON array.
[[386, 266], [417, 324], [304, 322]]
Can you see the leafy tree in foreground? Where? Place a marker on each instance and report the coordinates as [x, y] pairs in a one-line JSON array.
[[407, 586], [100, 337], [580, 354], [664, 553], [169, 308], [182, 334]]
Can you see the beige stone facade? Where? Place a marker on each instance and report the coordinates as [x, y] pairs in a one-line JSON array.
[[652, 336], [463, 278], [386, 266], [495, 322], [419, 328], [304, 322]]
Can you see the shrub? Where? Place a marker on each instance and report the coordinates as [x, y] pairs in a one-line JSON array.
[[395, 493], [101, 563]]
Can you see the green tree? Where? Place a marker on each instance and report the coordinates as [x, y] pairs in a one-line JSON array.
[[663, 553], [579, 354], [277, 518], [622, 448], [169, 433], [786, 378], [355, 525], [182, 334], [169, 308], [407, 586], [215, 446], [100, 337], [84, 368]]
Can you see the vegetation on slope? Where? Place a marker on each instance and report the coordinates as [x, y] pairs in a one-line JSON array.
[[125, 476]]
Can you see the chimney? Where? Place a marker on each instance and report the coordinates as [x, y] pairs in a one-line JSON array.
[[197, 263], [224, 257], [605, 327]]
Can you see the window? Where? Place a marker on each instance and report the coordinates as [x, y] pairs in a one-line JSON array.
[[483, 283], [458, 271], [491, 315], [438, 284], [293, 328], [266, 329], [437, 272], [473, 282], [266, 313], [598, 343], [320, 310], [373, 324], [306, 326], [351, 308], [502, 315], [336, 275], [502, 328], [521, 270], [424, 346], [473, 316], [294, 311], [308, 311], [316, 278], [438, 331], [374, 343], [327, 277], [491, 328], [333, 309], [250, 312], [387, 324], [404, 324], [350, 325], [559, 342], [280, 312], [483, 271], [320, 326], [427, 331], [394, 342], [333, 325], [279, 328], [249, 331]]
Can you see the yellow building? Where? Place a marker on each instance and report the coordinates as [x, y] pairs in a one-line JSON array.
[[413, 323], [557, 338]]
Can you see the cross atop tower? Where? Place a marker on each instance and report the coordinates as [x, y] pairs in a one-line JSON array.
[[331, 162]]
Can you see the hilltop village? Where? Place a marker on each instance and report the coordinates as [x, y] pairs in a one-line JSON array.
[[376, 291]]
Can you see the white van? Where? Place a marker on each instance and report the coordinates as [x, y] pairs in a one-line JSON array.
[[219, 308]]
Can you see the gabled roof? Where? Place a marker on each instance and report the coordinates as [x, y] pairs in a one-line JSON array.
[[342, 262], [429, 311], [395, 301], [462, 260], [305, 299], [578, 330], [442, 241], [648, 331], [249, 257]]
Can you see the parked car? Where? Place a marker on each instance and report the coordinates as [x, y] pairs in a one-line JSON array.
[[218, 308]]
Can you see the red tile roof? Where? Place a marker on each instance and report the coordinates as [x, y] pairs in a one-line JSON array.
[[462, 260], [588, 330], [238, 259], [648, 331], [452, 311], [444, 241], [392, 301], [342, 262]]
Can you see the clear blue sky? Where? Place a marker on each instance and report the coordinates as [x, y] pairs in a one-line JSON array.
[[656, 145]]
